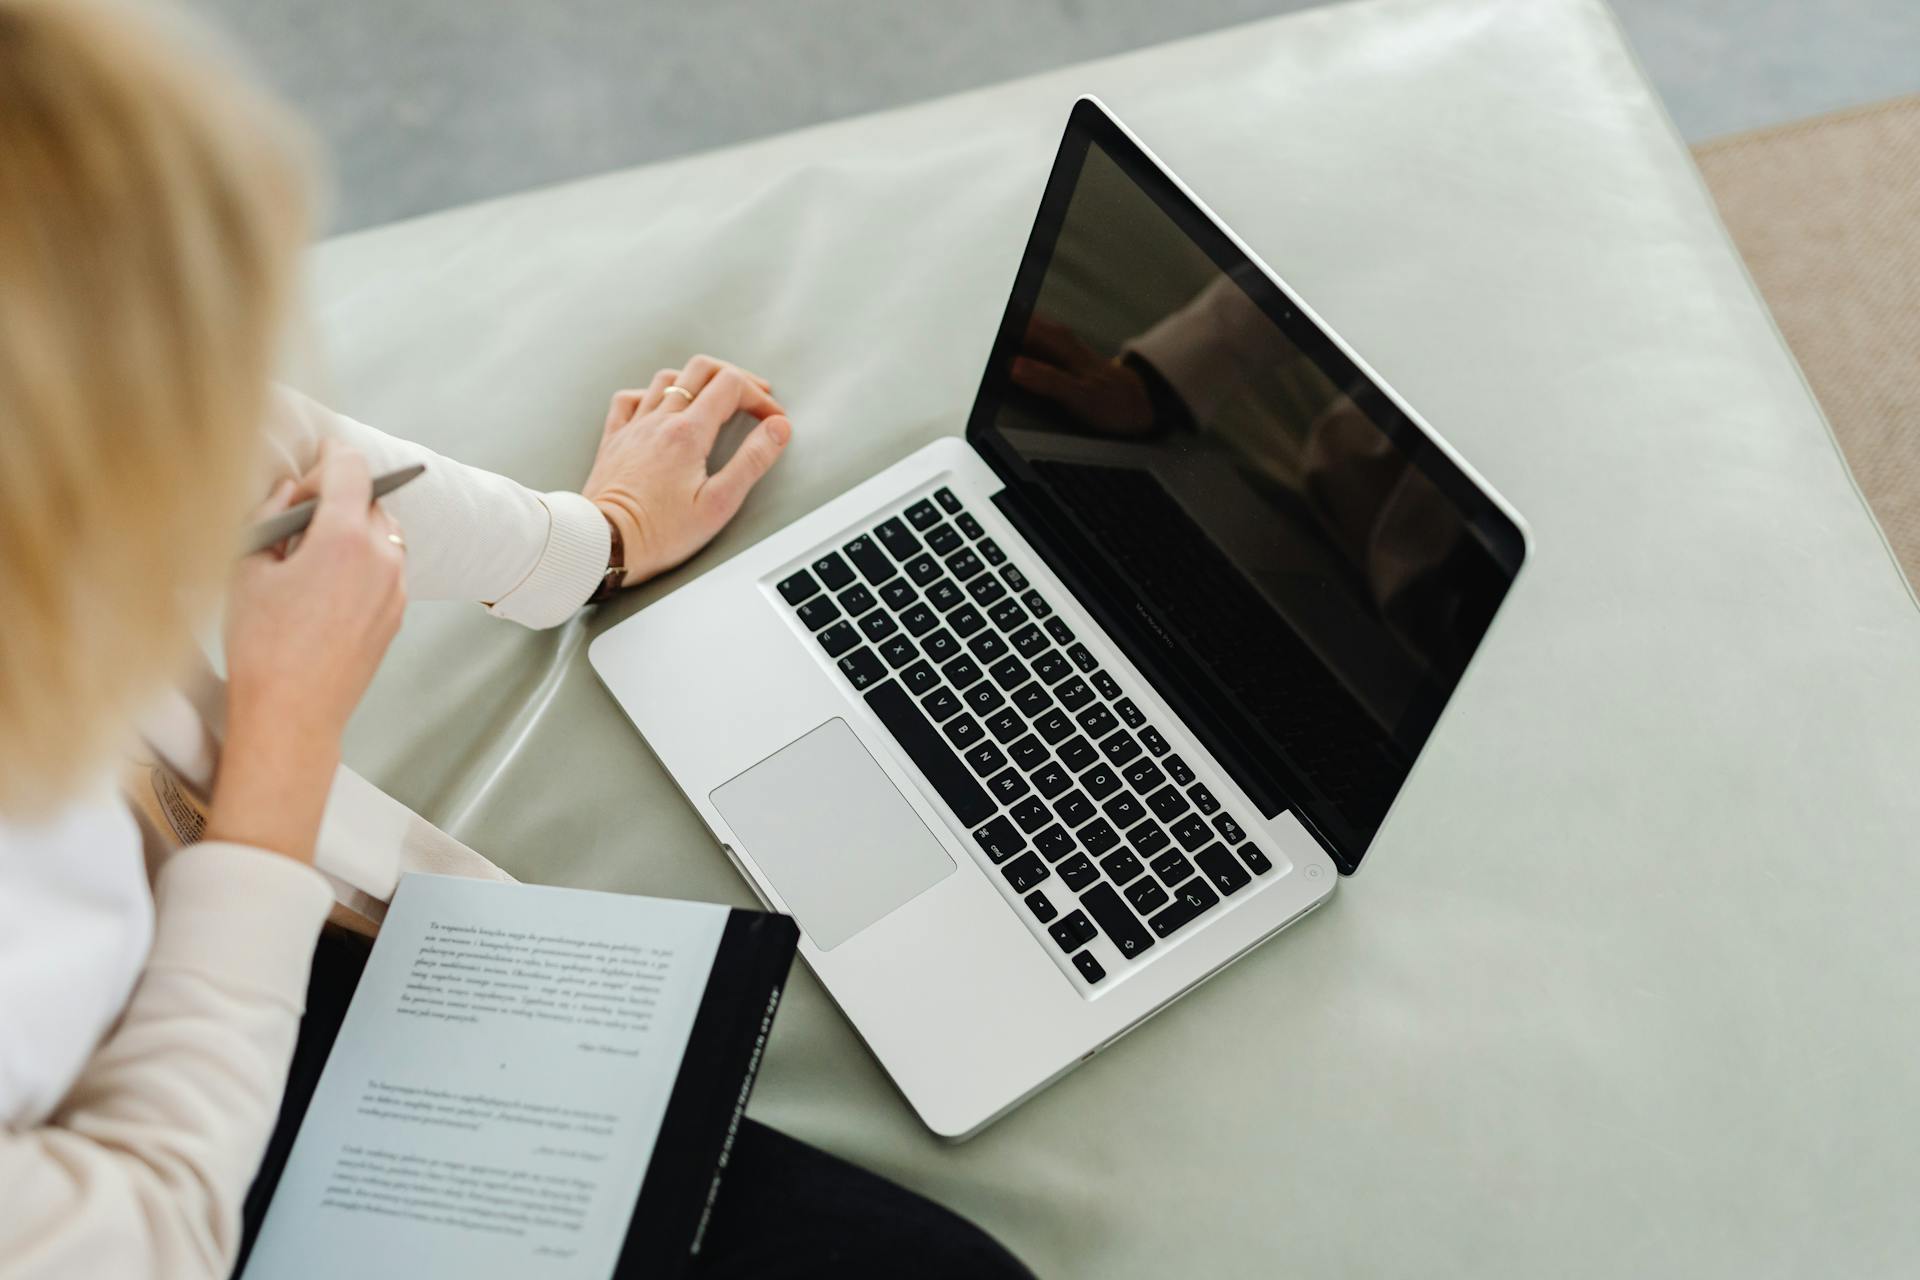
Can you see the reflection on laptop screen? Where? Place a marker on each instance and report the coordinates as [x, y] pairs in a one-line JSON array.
[[1298, 567]]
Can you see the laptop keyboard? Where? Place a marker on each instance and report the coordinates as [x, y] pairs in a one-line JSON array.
[[1079, 802]]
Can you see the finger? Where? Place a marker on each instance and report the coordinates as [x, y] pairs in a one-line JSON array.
[[729, 392], [388, 538], [622, 407], [346, 492], [1059, 345], [657, 390], [703, 371], [728, 487], [278, 499], [1045, 380]]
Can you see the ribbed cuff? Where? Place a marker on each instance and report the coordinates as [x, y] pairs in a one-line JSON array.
[[569, 568], [241, 915]]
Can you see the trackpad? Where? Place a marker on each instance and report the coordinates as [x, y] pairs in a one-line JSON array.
[[839, 842]]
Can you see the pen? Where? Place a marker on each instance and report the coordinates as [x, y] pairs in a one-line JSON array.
[[295, 518]]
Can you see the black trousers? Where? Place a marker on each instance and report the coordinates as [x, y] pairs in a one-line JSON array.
[[787, 1211]]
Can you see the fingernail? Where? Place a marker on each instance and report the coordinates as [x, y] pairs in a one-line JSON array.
[[781, 430]]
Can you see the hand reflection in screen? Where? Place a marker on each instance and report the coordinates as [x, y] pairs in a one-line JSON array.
[[1108, 396]]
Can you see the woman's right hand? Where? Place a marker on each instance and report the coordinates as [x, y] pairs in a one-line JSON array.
[[306, 630]]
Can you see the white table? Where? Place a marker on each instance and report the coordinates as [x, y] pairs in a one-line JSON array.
[[1628, 985]]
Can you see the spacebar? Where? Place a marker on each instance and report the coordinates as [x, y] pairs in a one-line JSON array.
[[930, 754]]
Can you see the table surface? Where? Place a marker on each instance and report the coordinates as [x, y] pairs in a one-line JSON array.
[[1626, 986]]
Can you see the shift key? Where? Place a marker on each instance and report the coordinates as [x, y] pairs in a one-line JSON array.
[[1116, 920]]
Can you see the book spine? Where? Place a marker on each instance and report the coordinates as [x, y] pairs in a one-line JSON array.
[[739, 1112]]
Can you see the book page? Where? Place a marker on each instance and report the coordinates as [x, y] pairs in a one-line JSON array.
[[493, 1099]]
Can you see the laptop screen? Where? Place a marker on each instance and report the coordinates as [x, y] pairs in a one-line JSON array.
[[1294, 563]]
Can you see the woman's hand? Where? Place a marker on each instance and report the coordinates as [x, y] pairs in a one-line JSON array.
[[306, 630], [650, 476]]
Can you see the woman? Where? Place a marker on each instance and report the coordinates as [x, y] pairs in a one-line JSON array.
[[151, 218]]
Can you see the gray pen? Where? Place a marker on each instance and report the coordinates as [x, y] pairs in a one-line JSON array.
[[295, 518]]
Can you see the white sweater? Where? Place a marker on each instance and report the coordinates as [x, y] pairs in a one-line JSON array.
[[145, 1032]]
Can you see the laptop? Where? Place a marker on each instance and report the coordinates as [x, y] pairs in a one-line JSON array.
[[1045, 724]]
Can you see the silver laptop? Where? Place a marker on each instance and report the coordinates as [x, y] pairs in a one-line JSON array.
[[1048, 722]]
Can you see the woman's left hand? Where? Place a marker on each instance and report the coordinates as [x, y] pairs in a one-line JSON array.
[[650, 476]]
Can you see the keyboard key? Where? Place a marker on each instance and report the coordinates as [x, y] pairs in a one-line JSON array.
[[1229, 829], [999, 840], [1025, 871], [1189, 900], [1122, 927], [1222, 870], [1191, 831], [1030, 815], [1155, 743], [1178, 768], [1097, 721], [983, 698], [1054, 843], [918, 620], [1073, 693], [1074, 807], [1146, 895], [1051, 666], [1036, 603], [1120, 747], [870, 560], [1256, 861], [985, 758], [1042, 909], [1005, 726], [897, 538], [1100, 782], [1123, 810], [943, 595], [964, 565], [797, 588], [940, 705], [1009, 673], [985, 590], [970, 526], [1203, 801], [862, 668], [1050, 779], [944, 496], [856, 600], [1089, 967], [1109, 687], [878, 625], [965, 621], [1077, 753], [1015, 579], [1167, 803], [929, 753], [1032, 701], [1053, 725], [988, 646], [1121, 866], [1073, 931], [1028, 753], [1029, 640], [1172, 866], [833, 571], [818, 612], [920, 677], [941, 646], [1082, 658], [1149, 838], [961, 672], [1097, 837], [990, 551], [1077, 872], [898, 651], [1130, 715], [839, 638], [964, 731], [1007, 614], [942, 540], [924, 569], [1008, 785], [897, 592], [1060, 631], [1143, 775], [921, 514]]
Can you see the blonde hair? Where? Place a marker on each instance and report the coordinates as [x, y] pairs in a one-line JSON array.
[[152, 208]]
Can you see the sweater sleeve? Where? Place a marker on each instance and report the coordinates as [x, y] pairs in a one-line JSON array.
[[533, 558], [142, 1170]]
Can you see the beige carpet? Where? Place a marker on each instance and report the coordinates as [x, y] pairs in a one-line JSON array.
[[1827, 215]]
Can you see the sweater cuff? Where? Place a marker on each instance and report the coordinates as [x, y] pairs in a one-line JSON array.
[[240, 915], [570, 567]]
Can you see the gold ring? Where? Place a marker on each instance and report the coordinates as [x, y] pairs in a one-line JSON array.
[[679, 390], [397, 541]]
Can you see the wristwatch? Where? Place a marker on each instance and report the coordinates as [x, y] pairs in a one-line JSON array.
[[616, 575]]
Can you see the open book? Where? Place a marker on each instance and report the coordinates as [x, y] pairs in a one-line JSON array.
[[529, 1081]]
